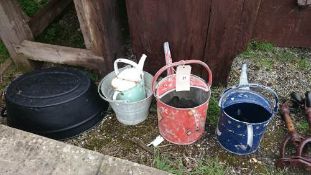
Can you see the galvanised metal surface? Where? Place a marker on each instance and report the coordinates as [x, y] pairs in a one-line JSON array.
[[128, 113]]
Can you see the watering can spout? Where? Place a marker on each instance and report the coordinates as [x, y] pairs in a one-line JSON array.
[[243, 77], [141, 62]]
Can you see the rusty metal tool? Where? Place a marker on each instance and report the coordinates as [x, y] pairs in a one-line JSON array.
[[292, 137], [303, 145]]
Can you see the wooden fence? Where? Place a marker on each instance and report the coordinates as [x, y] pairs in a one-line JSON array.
[[214, 31]]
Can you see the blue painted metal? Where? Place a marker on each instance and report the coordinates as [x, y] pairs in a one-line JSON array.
[[245, 114]]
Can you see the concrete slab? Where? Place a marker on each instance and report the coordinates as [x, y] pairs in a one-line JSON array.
[[124, 167], [23, 153]]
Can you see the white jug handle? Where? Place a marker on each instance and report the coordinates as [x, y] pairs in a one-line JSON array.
[[250, 135], [122, 60], [115, 94]]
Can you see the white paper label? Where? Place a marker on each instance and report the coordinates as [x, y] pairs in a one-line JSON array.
[[183, 78]]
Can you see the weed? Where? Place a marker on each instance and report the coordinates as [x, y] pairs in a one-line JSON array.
[[213, 111], [163, 163], [4, 54], [266, 63], [286, 56], [261, 46], [212, 167], [304, 64], [303, 126], [93, 76], [30, 7], [255, 47]]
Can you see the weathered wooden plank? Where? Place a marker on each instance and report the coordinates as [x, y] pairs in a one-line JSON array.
[[46, 15], [60, 55], [100, 25], [304, 2], [230, 29], [13, 30], [284, 23], [182, 23]]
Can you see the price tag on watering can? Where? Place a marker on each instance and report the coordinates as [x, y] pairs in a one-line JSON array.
[[183, 78]]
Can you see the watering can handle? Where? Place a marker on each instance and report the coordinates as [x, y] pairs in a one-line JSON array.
[[123, 60], [182, 62], [168, 58], [253, 85], [103, 96]]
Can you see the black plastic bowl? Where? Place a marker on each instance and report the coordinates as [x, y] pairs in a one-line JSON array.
[[57, 102]]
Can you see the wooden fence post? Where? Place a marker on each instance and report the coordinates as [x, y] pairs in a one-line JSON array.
[[99, 23], [13, 30]]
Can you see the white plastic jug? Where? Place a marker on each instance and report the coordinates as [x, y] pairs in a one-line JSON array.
[[129, 84]]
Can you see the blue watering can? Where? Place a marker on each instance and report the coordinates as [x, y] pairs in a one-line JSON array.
[[246, 111]]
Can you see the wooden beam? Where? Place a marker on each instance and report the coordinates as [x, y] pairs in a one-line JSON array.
[[304, 2], [13, 30], [46, 15], [60, 55], [100, 26]]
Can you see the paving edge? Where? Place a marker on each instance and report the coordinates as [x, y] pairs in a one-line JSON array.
[[24, 153]]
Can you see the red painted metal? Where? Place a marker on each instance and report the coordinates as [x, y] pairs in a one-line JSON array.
[[181, 126]]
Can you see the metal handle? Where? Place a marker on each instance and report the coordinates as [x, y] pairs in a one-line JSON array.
[[168, 58], [250, 136], [252, 85], [182, 62], [123, 60]]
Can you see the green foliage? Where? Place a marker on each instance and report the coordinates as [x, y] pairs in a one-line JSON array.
[[93, 76], [303, 126], [266, 63], [286, 55], [30, 7], [64, 32], [256, 46], [213, 111], [261, 46], [163, 163], [4, 54], [211, 167], [206, 167], [304, 64]]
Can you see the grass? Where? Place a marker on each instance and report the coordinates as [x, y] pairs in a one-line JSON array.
[[266, 54], [4, 54], [256, 46], [211, 166], [65, 31], [303, 126], [304, 64], [30, 7], [213, 111]]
